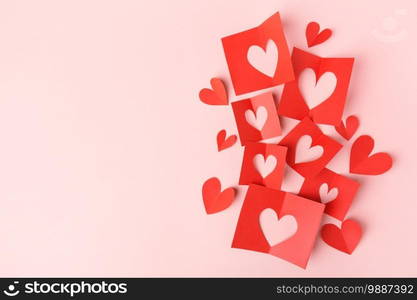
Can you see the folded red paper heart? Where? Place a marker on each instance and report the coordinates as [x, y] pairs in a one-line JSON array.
[[348, 130], [215, 96], [216, 200], [345, 238], [314, 36], [223, 142], [363, 163]]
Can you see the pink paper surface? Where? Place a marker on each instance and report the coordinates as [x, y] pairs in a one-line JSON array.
[[105, 143]]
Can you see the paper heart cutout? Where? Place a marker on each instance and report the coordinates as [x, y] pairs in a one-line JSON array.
[[277, 230], [222, 142], [352, 124], [257, 120], [314, 37], [215, 96], [214, 199], [261, 58], [362, 163], [344, 239], [304, 152], [327, 196], [316, 91], [264, 166]]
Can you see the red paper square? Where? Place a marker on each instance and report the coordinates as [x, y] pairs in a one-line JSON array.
[[346, 188], [265, 154], [254, 107], [330, 110], [297, 248], [307, 128], [247, 78]]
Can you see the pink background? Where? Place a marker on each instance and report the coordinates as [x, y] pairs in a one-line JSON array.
[[105, 145]]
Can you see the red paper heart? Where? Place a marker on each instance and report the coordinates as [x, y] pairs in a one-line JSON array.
[[214, 199], [222, 142], [314, 37], [362, 163], [352, 124], [345, 239], [215, 96]]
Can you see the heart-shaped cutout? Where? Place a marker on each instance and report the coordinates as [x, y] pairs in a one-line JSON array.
[[316, 91], [362, 163], [327, 196], [314, 36], [215, 96], [352, 124], [277, 230], [257, 120], [264, 166], [223, 142], [344, 239], [264, 60], [304, 152], [214, 199]]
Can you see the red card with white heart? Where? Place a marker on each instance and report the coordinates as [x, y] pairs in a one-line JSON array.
[[334, 190], [278, 223], [258, 58], [319, 89], [256, 118], [308, 149], [263, 164]]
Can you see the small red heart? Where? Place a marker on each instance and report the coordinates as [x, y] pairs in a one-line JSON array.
[[345, 239], [362, 163], [222, 142], [214, 199], [352, 124], [314, 37], [215, 96]]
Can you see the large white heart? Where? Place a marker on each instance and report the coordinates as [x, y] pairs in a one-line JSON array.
[[316, 91], [257, 120], [327, 196], [265, 61], [264, 166], [277, 230], [304, 152]]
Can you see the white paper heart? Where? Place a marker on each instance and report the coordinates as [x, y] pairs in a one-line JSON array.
[[277, 230], [304, 152], [257, 120], [265, 61], [316, 91], [264, 167], [327, 196]]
